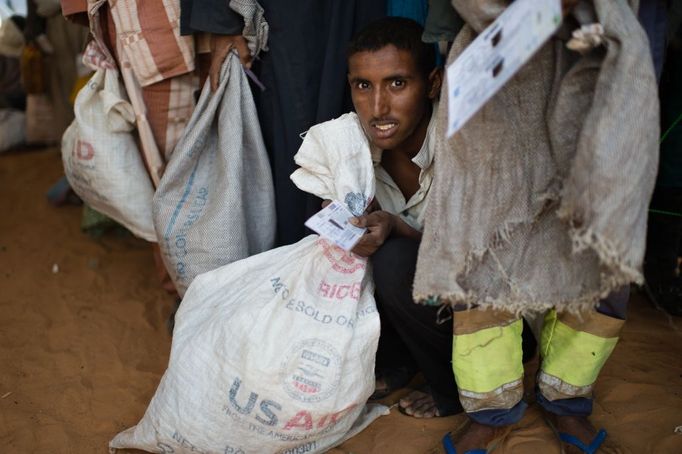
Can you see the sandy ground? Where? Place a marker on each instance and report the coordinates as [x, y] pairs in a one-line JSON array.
[[83, 343]]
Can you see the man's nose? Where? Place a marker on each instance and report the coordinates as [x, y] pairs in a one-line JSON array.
[[380, 104]]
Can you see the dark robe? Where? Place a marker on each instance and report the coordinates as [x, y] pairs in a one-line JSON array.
[[305, 73]]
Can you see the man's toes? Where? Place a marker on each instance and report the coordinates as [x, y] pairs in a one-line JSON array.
[[411, 407], [424, 408], [425, 412], [419, 405], [411, 399]]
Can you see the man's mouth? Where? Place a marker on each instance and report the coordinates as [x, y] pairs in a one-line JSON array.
[[385, 129]]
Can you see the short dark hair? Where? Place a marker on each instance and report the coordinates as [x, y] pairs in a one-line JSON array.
[[403, 33]]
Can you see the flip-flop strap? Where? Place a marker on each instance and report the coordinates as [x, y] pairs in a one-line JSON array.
[[591, 449], [447, 444], [450, 447]]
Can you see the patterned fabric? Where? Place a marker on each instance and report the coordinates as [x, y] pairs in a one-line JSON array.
[[540, 201], [161, 61], [151, 40], [170, 104]]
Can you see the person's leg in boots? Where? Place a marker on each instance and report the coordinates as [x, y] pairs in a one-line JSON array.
[[574, 349], [487, 361]]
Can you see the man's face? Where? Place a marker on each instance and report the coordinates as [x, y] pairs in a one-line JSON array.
[[391, 97]]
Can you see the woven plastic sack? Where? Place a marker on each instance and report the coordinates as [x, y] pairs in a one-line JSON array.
[[215, 202], [275, 353], [101, 159]]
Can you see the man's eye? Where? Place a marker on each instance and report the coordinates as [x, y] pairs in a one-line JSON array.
[[362, 85], [398, 83]]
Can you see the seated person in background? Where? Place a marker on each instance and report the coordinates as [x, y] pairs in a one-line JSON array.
[[394, 82]]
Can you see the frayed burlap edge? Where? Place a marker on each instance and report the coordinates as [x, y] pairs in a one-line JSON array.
[[614, 274]]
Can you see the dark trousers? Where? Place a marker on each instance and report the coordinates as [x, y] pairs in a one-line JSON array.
[[410, 334]]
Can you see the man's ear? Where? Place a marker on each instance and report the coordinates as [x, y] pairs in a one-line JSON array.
[[435, 82]]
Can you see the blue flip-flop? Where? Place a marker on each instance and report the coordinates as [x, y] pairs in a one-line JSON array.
[[450, 447], [587, 449], [500, 435]]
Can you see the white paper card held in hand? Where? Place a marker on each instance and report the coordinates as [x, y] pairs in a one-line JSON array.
[[496, 55], [332, 223]]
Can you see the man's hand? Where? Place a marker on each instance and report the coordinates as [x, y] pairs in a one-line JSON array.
[[221, 45], [379, 226]]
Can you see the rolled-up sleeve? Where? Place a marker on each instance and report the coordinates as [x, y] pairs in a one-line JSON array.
[[213, 16]]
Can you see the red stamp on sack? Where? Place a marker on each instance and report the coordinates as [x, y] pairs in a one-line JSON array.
[[340, 291], [311, 371], [342, 261]]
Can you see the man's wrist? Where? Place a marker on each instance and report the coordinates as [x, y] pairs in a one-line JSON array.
[[394, 222]]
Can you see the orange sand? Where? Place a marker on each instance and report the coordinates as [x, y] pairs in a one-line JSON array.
[[82, 349]]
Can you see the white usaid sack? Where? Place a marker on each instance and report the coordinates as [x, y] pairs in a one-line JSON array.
[[101, 159], [275, 353], [215, 203]]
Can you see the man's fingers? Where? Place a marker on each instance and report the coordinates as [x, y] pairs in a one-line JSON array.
[[218, 57], [362, 252], [221, 45], [373, 206], [364, 248], [214, 76], [359, 221], [360, 248], [244, 52], [367, 245]]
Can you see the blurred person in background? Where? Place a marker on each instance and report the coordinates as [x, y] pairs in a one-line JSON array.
[[49, 65]]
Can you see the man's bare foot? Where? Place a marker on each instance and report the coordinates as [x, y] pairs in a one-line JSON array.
[[578, 426], [381, 389], [476, 436], [389, 380], [419, 404]]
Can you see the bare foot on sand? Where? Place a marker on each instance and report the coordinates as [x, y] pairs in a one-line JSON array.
[[419, 404], [476, 436], [578, 426]]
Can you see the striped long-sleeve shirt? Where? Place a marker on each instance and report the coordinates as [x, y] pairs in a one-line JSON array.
[[149, 32]]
